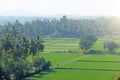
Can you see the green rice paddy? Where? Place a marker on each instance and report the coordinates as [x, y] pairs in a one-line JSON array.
[[77, 66]]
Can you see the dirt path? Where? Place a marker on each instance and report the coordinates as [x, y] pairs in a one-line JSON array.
[[69, 61]]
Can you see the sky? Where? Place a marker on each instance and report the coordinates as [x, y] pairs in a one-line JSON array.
[[67, 7]]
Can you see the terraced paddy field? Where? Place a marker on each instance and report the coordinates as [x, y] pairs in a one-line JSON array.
[[77, 66], [80, 67], [66, 44], [61, 44]]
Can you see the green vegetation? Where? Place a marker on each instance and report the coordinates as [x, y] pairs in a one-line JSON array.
[[74, 75], [14, 51], [104, 62], [69, 66], [68, 28], [111, 46], [86, 42], [22, 54], [61, 44]]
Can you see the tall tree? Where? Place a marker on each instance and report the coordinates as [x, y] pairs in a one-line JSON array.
[[110, 46], [86, 42]]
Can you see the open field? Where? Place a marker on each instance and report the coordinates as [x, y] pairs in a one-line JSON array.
[[107, 62], [73, 63], [74, 75], [68, 66], [66, 44], [63, 44]]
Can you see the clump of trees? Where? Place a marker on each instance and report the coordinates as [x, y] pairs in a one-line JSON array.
[[87, 41], [14, 51]]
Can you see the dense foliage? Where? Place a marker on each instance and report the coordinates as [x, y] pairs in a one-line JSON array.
[[14, 51], [65, 27]]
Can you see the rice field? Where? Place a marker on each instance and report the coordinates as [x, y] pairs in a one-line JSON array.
[[71, 66]]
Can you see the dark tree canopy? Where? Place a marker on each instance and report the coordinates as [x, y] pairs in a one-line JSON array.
[[14, 51]]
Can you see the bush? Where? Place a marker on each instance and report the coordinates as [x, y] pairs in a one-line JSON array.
[[38, 62], [41, 64], [15, 68], [73, 51], [46, 66], [95, 52]]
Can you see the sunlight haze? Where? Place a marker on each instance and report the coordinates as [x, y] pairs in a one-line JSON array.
[[67, 7]]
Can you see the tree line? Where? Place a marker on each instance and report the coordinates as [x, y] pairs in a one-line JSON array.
[[70, 28]]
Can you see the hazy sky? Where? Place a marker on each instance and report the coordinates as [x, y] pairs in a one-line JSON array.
[[54, 7]]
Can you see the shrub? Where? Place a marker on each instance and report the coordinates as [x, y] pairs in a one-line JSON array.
[[95, 52], [38, 62], [41, 64], [46, 66]]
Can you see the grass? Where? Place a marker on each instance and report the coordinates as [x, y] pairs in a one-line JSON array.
[[104, 57], [66, 44], [75, 75], [63, 44], [60, 58], [72, 61], [93, 65], [67, 60]]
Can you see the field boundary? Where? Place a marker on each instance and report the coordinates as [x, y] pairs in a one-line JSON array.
[[98, 61], [95, 69]]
